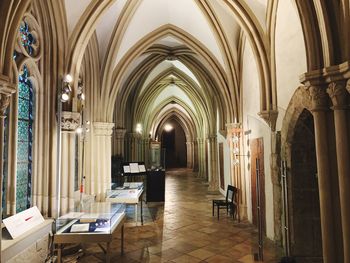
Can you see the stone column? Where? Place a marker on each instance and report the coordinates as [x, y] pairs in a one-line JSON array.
[[189, 148], [201, 158], [213, 159], [6, 89], [320, 107], [340, 100], [145, 143], [70, 121], [101, 176], [195, 156], [118, 148]]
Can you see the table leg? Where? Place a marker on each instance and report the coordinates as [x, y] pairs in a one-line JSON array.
[[59, 253], [108, 253], [122, 240], [141, 213]]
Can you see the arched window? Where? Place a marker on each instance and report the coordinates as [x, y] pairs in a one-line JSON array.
[[24, 141]]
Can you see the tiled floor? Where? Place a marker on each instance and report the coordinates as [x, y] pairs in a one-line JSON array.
[[183, 230]]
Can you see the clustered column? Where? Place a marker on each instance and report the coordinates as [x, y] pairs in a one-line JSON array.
[[340, 100], [201, 158], [213, 158]]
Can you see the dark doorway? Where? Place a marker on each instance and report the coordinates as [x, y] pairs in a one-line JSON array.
[[174, 143], [304, 204]]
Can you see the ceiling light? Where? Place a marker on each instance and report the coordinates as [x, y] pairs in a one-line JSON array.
[[68, 78], [168, 127], [65, 92], [79, 130]]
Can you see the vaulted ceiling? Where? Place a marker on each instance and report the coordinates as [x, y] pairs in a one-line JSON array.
[[162, 59]]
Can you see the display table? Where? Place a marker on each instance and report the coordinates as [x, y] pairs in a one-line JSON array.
[[155, 186], [98, 223], [130, 193]]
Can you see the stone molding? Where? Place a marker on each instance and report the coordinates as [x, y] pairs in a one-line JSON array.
[[338, 94], [70, 121], [348, 85], [103, 128]]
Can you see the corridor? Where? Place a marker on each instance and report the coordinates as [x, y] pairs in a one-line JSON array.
[[183, 230]]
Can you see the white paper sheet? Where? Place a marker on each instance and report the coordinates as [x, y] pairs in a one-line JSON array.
[[126, 169], [134, 168], [79, 228], [142, 168], [22, 222]]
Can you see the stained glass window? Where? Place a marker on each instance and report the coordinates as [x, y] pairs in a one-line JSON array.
[[24, 141], [27, 38]]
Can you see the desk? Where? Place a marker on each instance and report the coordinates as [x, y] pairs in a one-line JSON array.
[[127, 196], [102, 221]]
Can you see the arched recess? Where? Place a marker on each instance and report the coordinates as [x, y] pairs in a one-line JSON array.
[[298, 150], [11, 13], [109, 94], [150, 121]]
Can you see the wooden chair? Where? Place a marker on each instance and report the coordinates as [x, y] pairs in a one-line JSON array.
[[229, 202]]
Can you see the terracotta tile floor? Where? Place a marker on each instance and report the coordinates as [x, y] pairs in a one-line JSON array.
[[183, 230]]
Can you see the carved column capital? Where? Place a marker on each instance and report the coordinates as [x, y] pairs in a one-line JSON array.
[[6, 90], [4, 103], [338, 94], [348, 85], [119, 133], [319, 98], [103, 128], [270, 117], [212, 138], [70, 121]]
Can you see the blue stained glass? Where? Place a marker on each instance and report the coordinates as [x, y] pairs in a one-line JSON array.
[[27, 38], [24, 141], [24, 90], [23, 131], [23, 109]]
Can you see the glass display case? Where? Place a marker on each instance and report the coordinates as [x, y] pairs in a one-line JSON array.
[[96, 223], [95, 218], [130, 193]]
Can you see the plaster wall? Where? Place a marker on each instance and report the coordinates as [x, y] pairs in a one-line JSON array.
[[255, 127], [290, 55], [227, 177]]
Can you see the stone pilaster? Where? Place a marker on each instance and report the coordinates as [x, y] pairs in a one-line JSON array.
[[320, 106], [340, 100], [213, 167], [100, 177]]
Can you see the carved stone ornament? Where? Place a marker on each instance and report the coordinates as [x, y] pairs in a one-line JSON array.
[[270, 117], [348, 85], [338, 94], [319, 98], [119, 133], [70, 121], [4, 103], [103, 128]]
